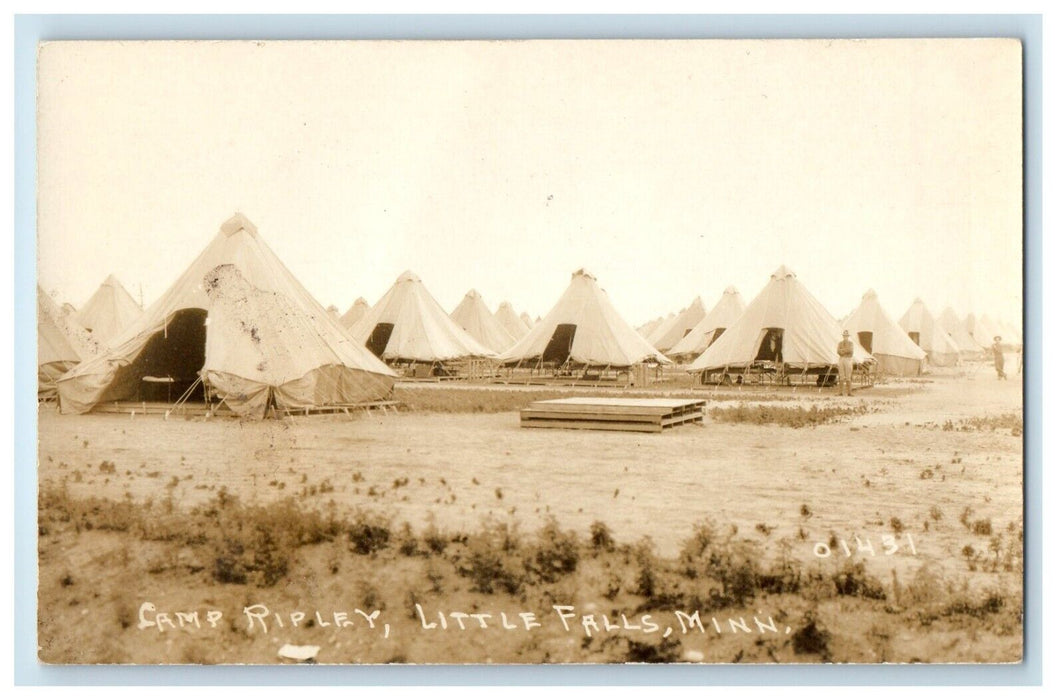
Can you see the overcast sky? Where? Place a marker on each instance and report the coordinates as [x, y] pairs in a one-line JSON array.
[[668, 169]]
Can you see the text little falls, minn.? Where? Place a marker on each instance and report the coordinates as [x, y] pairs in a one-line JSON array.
[[588, 621]]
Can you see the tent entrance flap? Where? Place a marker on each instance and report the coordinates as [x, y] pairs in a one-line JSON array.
[[915, 337], [865, 339], [170, 363], [771, 347], [378, 339], [716, 334], [560, 346]]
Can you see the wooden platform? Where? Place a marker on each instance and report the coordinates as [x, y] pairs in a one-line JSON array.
[[602, 413]]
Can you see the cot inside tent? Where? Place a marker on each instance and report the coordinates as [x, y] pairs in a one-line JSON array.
[[164, 354], [721, 317], [784, 326], [881, 336], [583, 329], [408, 325]]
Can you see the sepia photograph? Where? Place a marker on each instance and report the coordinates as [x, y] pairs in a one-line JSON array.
[[530, 352]]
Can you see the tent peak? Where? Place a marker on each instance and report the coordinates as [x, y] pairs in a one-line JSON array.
[[731, 290], [870, 294], [582, 272], [238, 222], [407, 276], [473, 294], [782, 273]]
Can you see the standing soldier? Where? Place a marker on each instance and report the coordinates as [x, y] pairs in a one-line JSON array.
[[845, 351], [999, 357]]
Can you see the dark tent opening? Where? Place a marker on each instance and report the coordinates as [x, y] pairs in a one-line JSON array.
[[716, 334], [685, 332], [170, 362], [561, 343], [915, 337], [771, 349], [378, 339], [865, 339]]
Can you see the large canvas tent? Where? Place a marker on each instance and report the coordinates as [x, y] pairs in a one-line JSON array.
[[476, 319], [721, 317], [355, 313], [650, 326], [978, 332], [953, 325], [109, 311], [510, 321], [408, 325], [920, 325], [880, 335], [583, 329], [261, 340], [667, 335], [784, 328], [60, 345]]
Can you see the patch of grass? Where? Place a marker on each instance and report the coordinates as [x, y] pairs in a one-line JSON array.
[[792, 416]]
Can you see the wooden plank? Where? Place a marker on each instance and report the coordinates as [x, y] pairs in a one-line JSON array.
[[592, 425], [550, 415]]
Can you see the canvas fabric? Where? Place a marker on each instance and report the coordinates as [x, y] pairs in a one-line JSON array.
[[109, 311], [475, 318], [112, 375], [423, 331], [725, 313], [810, 334], [602, 338], [894, 351]]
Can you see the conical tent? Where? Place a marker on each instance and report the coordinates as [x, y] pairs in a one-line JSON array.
[[649, 327], [408, 325], [334, 312], [355, 313], [475, 318], [995, 328], [60, 345], [1014, 334], [509, 320], [953, 325], [109, 311], [583, 328], [310, 360], [920, 325], [527, 320], [978, 332], [880, 335], [668, 335], [721, 317], [784, 325]]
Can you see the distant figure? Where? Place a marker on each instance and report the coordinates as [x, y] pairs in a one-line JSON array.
[[845, 351], [999, 357]]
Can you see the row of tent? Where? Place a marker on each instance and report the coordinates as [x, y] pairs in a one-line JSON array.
[[239, 325], [900, 347]]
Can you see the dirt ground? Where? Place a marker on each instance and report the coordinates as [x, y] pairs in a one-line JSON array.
[[911, 473]]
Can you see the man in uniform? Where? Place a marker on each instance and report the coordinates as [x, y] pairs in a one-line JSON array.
[[999, 357], [845, 351]]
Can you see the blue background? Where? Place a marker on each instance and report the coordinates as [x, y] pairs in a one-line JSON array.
[[31, 29]]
